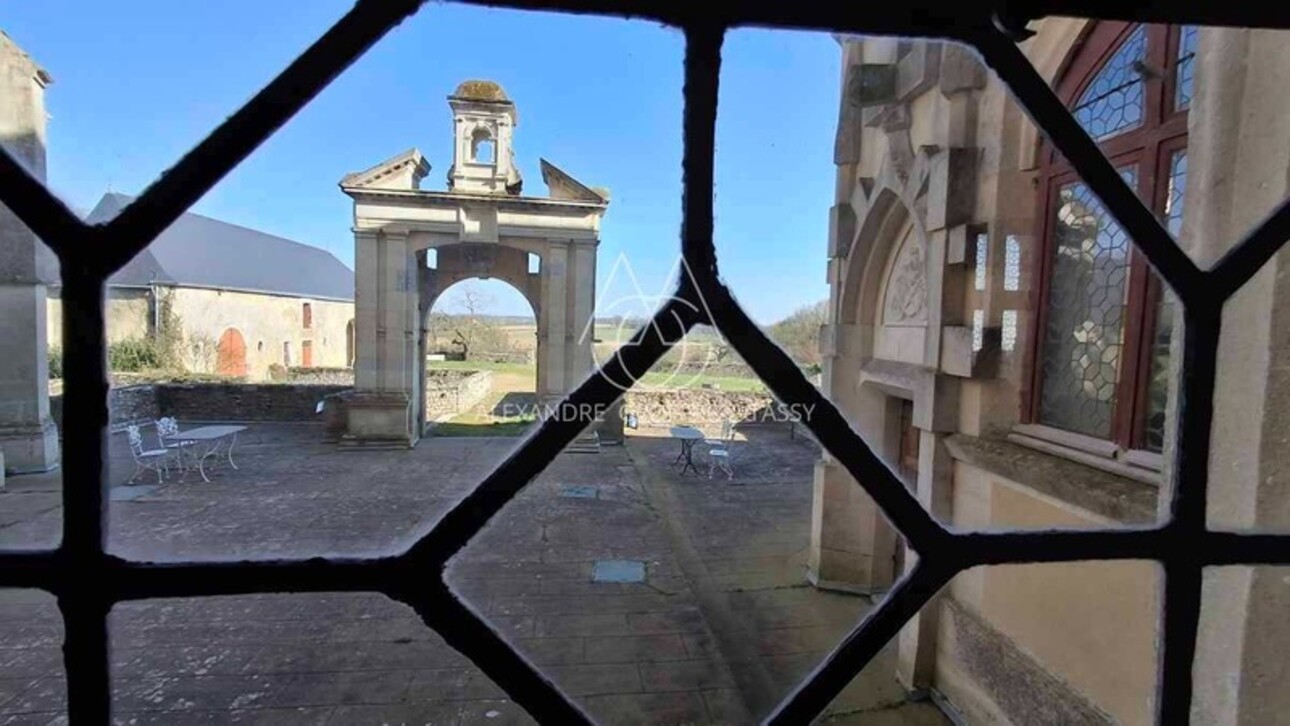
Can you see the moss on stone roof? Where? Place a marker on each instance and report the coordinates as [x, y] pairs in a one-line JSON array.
[[480, 90]]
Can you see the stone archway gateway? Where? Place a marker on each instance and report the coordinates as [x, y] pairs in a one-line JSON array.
[[410, 244]]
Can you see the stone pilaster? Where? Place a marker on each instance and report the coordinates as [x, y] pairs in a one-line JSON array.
[[28, 439]]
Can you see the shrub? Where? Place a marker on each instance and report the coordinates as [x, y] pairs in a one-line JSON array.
[[133, 354], [277, 372], [55, 362]]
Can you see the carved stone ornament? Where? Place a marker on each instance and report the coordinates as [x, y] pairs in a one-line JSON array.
[[906, 301]]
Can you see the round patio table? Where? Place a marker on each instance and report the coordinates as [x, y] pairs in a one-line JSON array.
[[688, 436]]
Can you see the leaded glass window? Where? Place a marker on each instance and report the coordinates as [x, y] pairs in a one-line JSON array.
[[1185, 69], [1103, 330], [1084, 337], [1113, 102]]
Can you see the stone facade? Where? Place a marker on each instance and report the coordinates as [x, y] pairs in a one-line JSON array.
[[129, 311], [271, 328], [935, 266]]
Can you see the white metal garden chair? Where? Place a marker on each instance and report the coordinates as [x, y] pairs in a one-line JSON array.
[[167, 437], [157, 460], [719, 451]]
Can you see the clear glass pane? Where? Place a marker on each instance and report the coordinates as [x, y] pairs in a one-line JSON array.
[[1159, 373], [1012, 264], [982, 260], [1114, 101], [341, 658], [309, 424], [1009, 330], [1084, 334], [1185, 70], [33, 686]]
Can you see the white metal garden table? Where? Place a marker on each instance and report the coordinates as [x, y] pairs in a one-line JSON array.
[[206, 441]]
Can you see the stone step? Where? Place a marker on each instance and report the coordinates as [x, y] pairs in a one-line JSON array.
[[587, 443]]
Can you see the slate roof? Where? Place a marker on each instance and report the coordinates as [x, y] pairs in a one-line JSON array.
[[198, 251]]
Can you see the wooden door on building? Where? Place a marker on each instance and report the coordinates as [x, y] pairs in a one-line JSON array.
[[907, 469], [907, 463], [307, 354], [230, 353]]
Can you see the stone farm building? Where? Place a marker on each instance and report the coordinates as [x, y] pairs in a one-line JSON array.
[[243, 300]]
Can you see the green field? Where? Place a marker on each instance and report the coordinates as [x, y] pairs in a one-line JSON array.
[[653, 379]]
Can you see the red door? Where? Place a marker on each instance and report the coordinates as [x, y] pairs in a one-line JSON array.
[[307, 354], [230, 357]]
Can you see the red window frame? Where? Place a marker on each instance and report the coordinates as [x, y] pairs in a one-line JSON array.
[[1148, 147]]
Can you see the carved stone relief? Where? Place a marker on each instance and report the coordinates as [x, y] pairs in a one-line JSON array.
[[906, 290]]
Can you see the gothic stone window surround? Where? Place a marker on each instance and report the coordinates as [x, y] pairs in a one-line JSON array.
[[1095, 377]]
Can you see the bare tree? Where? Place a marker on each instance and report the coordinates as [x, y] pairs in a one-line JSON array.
[[799, 333], [473, 330]]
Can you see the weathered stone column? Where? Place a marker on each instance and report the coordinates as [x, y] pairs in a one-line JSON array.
[[367, 356], [852, 545], [916, 659], [553, 337], [28, 438], [380, 411], [1238, 164]]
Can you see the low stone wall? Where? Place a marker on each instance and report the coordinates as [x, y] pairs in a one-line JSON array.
[[126, 405], [209, 402], [449, 392], [694, 406], [322, 376], [242, 402]]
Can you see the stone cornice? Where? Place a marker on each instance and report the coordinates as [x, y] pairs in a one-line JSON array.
[[456, 199]]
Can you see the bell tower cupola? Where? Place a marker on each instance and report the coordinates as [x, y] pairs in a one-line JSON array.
[[484, 120]]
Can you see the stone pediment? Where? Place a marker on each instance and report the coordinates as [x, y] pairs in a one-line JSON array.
[[564, 187], [404, 171]]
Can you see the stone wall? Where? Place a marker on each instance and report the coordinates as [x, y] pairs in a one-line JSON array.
[[128, 312], [126, 405], [209, 402], [691, 405], [449, 392], [242, 402], [324, 376]]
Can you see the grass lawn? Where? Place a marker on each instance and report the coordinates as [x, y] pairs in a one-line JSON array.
[[682, 382], [652, 379], [527, 369], [508, 427]]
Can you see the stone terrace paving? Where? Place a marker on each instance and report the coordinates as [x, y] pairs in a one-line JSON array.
[[722, 626]]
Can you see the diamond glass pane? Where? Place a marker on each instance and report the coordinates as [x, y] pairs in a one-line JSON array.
[[1113, 102], [1185, 69], [1012, 265], [1158, 383], [1084, 335], [982, 250]]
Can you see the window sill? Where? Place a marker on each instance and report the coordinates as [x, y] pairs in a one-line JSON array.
[[1105, 494], [1143, 466]]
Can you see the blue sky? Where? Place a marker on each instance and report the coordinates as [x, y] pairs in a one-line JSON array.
[[138, 82]]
